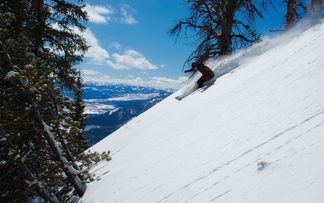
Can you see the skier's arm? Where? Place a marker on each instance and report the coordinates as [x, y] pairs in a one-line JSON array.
[[190, 70]]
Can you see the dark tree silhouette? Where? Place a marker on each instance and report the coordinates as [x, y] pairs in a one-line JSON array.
[[295, 8], [220, 26]]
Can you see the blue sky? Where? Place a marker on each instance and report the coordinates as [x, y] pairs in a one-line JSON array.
[[129, 42]]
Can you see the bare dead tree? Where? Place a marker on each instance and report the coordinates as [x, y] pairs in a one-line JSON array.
[[220, 26], [295, 8]]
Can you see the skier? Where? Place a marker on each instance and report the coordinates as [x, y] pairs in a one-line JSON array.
[[207, 73]]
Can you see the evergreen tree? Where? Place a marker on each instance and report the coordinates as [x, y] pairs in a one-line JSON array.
[[41, 130], [77, 128]]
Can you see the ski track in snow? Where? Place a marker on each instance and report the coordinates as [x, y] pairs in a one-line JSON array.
[[246, 153], [266, 108]]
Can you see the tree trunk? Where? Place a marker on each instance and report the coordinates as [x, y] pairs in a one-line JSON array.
[[40, 189], [291, 15], [69, 170], [38, 12], [227, 27], [7, 60]]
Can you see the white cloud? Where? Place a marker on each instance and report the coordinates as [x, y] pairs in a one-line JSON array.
[[167, 83], [89, 72], [99, 14], [155, 82], [106, 14], [126, 16], [96, 53], [130, 59], [115, 45], [163, 65]]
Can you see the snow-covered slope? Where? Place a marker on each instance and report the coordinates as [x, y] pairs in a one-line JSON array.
[[256, 135]]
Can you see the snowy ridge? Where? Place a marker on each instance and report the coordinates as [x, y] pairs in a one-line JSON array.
[[127, 97], [256, 135], [94, 108]]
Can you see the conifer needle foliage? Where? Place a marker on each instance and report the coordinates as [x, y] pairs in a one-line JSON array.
[[43, 148]]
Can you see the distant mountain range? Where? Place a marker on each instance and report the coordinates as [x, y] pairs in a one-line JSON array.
[[110, 106]]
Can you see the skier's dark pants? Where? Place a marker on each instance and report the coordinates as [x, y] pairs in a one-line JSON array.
[[201, 81], [204, 78]]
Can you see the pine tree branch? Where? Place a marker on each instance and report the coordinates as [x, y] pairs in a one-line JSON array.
[[40, 188], [71, 173], [6, 57]]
